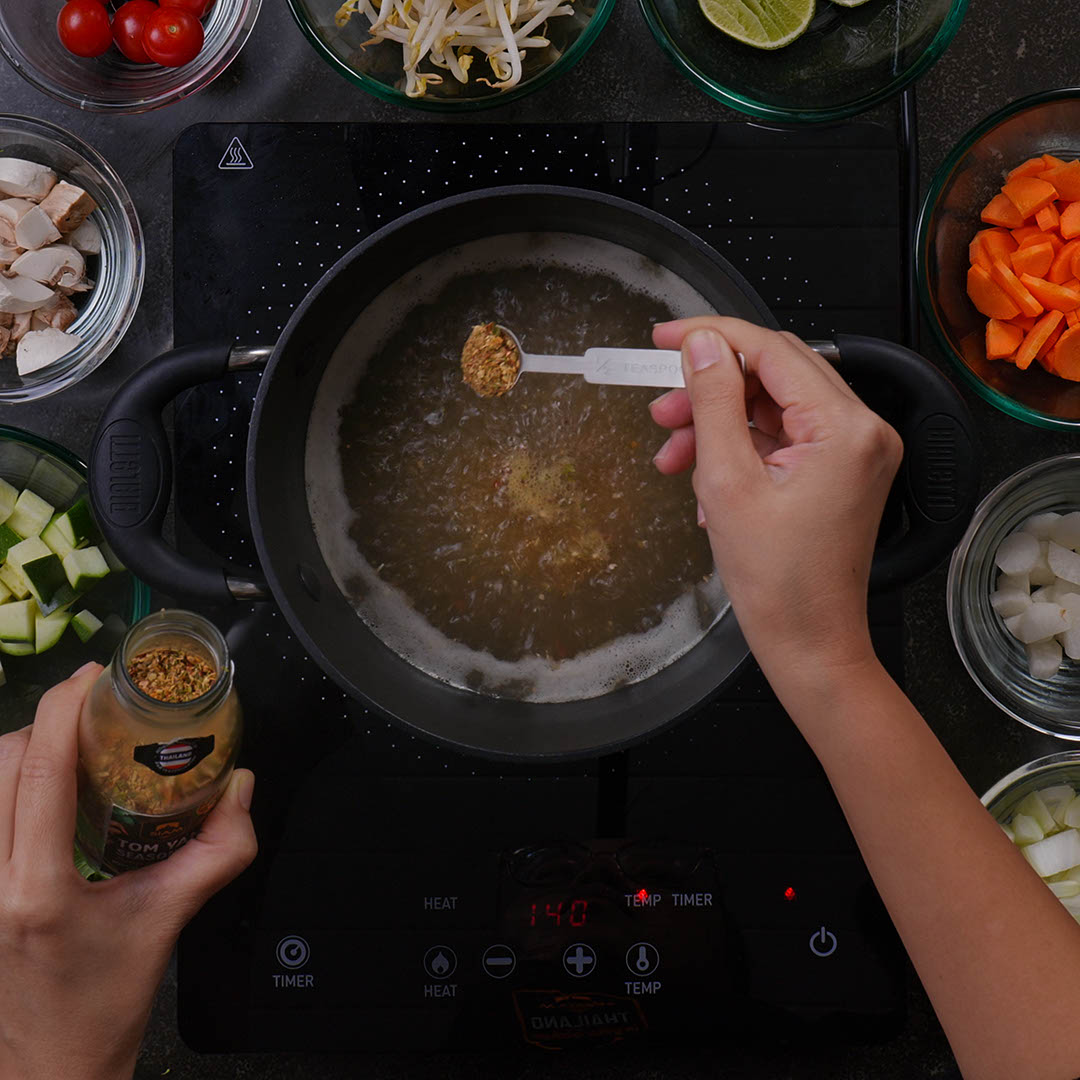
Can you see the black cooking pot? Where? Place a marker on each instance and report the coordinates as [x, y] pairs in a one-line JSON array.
[[130, 477]]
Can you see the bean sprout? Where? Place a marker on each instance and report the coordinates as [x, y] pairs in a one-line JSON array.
[[450, 33]]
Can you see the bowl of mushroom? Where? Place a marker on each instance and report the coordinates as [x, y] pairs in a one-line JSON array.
[[71, 259], [1014, 596]]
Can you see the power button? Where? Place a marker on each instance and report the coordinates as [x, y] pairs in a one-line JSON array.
[[823, 942]]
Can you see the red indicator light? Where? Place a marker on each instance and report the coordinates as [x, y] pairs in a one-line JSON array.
[[643, 895], [789, 893]]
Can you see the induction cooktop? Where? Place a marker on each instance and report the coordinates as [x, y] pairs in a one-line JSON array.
[[407, 896]]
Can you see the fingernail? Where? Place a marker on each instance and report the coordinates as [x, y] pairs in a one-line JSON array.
[[700, 516], [85, 668], [661, 453], [245, 788], [657, 400], [705, 347]]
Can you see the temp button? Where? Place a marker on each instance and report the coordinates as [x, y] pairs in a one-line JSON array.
[[823, 942], [642, 959]]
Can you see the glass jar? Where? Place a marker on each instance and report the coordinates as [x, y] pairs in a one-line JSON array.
[[150, 771]]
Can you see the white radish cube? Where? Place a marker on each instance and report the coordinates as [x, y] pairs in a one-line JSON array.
[[1071, 817], [1063, 588], [1009, 602], [1041, 525], [1012, 624], [1044, 595], [1026, 829], [1057, 798], [1007, 830], [1072, 905], [1040, 573], [1064, 562], [1064, 889], [1041, 622], [1054, 853], [1044, 659], [1032, 805], [1066, 530], [1014, 581], [1018, 553], [1070, 640], [1073, 874]]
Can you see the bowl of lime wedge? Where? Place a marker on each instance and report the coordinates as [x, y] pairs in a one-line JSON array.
[[803, 60]]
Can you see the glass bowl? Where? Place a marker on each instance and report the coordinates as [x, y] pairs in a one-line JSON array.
[[1047, 123], [1004, 797], [112, 83], [993, 657], [848, 60], [106, 312], [377, 68], [59, 477]]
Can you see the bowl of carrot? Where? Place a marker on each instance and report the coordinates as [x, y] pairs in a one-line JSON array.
[[998, 258]]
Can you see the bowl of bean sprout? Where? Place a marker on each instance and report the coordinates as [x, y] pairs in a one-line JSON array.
[[451, 55]]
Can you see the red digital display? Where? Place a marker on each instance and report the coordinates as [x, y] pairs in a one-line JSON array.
[[560, 913]]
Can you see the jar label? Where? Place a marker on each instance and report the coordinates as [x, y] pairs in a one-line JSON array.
[[176, 757], [135, 840]]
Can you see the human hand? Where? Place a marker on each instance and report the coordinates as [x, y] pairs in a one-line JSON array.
[[80, 961], [791, 505]]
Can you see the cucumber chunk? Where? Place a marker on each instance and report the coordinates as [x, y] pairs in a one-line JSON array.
[[77, 526], [17, 648], [5, 593], [31, 514], [8, 539], [48, 629], [86, 624], [8, 497], [43, 572], [84, 567], [14, 581], [17, 622], [55, 538]]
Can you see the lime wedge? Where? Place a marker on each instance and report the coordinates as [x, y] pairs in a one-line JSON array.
[[850, 3], [764, 24]]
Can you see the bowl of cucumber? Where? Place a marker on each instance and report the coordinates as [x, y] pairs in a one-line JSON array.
[[64, 598]]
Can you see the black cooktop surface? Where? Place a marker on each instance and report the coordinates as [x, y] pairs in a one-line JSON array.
[[410, 897]]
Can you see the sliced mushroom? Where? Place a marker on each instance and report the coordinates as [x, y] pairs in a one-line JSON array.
[[57, 264], [20, 326], [68, 206], [79, 287], [40, 348], [6, 319], [86, 238], [11, 211], [20, 294], [25, 179], [35, 230], [5, 339], [8, 255], [56, 314]]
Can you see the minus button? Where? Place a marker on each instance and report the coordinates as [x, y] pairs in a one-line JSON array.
[[499, 961]]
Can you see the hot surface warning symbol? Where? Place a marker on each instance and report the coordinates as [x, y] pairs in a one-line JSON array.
[[236, 157]]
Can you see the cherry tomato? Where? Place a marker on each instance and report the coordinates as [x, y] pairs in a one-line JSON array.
[[172, 37], [198, 8], [83, 27], [128, 25]]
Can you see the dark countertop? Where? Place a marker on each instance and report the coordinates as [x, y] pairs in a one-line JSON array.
[[998, 55]]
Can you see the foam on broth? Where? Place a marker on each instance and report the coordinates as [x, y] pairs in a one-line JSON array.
[[542, 476]]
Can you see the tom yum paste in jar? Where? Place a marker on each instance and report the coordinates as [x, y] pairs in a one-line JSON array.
[[158, 739]]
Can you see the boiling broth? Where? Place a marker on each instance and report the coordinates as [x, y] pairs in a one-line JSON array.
[[523, 546]]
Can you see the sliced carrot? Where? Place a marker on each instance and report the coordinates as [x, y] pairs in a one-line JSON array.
[[1051, 161], [1073, 283], [1035, 338], [1050, 342], [1061, 268], [1002, 339], [977, 254], [1034, 259], [1001, 210], [997, 243], [1048, 218], [1032, 167], [1073, 317], [1066, 356], [1020, 293], [1041, 237], [1025, 322], [1025, 232], [1029, 194], [1065, 178], [1070, 220], [1052, 297], [988, 296]]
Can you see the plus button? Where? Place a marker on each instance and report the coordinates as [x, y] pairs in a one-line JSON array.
[[579, 960]]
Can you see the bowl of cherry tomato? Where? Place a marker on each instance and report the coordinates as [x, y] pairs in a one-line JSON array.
[[123, 55]]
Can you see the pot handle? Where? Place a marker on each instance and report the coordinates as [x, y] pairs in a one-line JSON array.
[[131, 473], [941, 467]]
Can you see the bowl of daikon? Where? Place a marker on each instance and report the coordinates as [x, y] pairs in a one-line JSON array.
[[1038, 806], [1013, 603]]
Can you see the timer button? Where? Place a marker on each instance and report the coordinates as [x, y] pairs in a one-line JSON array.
[[579, 960], [642, 959]]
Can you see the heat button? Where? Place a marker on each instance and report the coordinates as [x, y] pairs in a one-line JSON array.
[[440, 962]]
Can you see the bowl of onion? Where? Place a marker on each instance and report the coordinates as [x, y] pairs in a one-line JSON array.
[[451, 55], [1038, 806], [1014, 596], [71, 252]]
